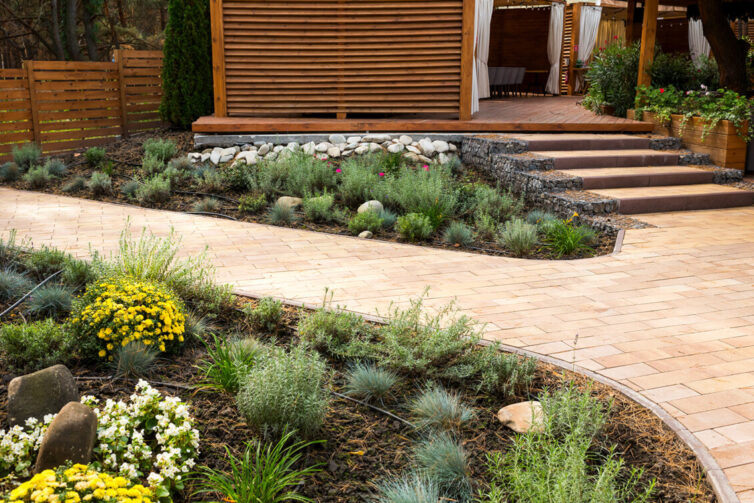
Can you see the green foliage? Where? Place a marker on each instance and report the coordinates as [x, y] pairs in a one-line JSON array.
[[77, 273], [661, 101], [100, 183], [486, 226], [490, 201], [182, 164], [154, 190], [490, 370], [13, 285], [286, 391], [443, 459], [713, 107], [37, 177], [130, 188], [44, 261], [539, 217], [269, 473], [33, 346], [518, 236], [678, 71], [358, 180], [9, 172], [26, 156], [206, 205], [368, 382], [228, 362], [266, 315], [440, 410], [162, 150], [252, 203], [134, 360], [414, 227], [388, 218], [411, 488], [458, 233], [431, 193], [10, 251], [558, 465], [319, 209], [239, 176], [564, 238], [56, 167], [75, 185], [50, 301], [365, 221], [210, 180], [332, 330], [612, 77], [151, 165], [307, 175], [94, 156], [281, 214], [272, 177]]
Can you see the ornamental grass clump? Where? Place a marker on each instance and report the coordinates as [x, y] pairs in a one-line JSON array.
[[459, 234], [94, 156], [9, 172], [37, 177], [443, 459], [518, 236], [412, 488], [440, 410], [50, 301], [368, 382], [206, 205], [228, 361], [13, 285], [130, 188], [28, 347], [281, 214], [117, 311], [100, 183], [365, 221], [75, 185], [564, 238], [26, 156], [56, 167], [153, 190], [133, 360]]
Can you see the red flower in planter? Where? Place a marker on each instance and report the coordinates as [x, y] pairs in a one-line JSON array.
[[662, 90]]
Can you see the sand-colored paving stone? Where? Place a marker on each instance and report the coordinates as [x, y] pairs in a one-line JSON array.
[[671, 316]]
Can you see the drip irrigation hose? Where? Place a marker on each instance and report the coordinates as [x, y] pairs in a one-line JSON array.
[[216, 196], [19, 301], [387, 413], [212, 214]]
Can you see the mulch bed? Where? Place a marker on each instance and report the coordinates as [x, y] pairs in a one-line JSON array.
[[126, 155]]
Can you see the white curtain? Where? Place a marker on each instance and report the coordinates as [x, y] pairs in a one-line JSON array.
[[483, 19], [698, 45], [589, 26], [554, 42]]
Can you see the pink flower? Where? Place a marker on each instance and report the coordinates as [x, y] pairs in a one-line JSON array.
[[662, 90], [426, 168], [615, 37], [382, 174], [338, 170]]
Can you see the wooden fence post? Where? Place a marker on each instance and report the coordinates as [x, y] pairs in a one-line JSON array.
[[467, 59], [118, 53], [218, 57], [29, 65]]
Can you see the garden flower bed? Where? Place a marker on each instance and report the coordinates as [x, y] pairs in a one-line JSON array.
[[444, 205], [334, 407]]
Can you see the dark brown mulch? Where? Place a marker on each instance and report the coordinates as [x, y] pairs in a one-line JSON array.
[[126, 155]]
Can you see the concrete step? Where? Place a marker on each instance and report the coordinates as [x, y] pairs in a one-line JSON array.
[[677, 198], [644, 176], [575, 141], [584, 159]]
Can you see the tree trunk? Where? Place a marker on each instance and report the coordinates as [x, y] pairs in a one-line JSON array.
[[55, 29], [121, 12], [729, 51], [71, 35], [90, 34]]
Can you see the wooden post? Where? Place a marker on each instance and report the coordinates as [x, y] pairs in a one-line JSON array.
[[118, 53], [630, 22], [648, 35], [29, 65], [467, 59], [218, 58], [573, 52]]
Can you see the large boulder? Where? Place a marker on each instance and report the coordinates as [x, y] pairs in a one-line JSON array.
[[290, 201], [69, 438], [40, 393], [372, 205], [522, 417]]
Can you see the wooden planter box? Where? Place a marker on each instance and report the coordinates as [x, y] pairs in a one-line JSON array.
[[723, 144]]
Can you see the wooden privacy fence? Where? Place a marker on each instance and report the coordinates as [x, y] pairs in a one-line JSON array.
[[68, 105]]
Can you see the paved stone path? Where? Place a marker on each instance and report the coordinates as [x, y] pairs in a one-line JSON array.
[[670, 316]]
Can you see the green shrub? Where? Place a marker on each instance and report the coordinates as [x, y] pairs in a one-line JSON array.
[[357, 180], [490, 201], [518, 236], [182, 164], [319, 209], [332, 330], [238, 176], [431, 193], [56, 167], [458, 233], [33, 346], [10, 251], [210, 180], [281, 214], [26, 156], [444, 460], [9, 172], [612, 78], [100, 183], [206, 205], [37, 177], [490, 370], [411, 488], [228, 362], [151, 165], [75, 185], [308, 175], [252, 203], [44, 261], [539, 217], [94, 156], [368, 382], [564, 238], [388, 218], [77, 273], [130, 188], [13, 285], [366, 221], [269, 473], [50, 301], [266, 316], [286, 391], [163, 150], [154, 190], [134, 360], [486, 226], [272, 178], [440, 410], [173, 175], [414, 227]]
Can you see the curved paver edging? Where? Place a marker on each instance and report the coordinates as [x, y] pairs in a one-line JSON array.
[[719, 482]]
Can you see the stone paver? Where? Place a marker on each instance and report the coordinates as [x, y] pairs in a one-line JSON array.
[[671, 316]]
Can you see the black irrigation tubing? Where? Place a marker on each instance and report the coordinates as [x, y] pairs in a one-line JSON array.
[[387, 413], [19, 301], [123, 162], [212, 214], [216, 196]]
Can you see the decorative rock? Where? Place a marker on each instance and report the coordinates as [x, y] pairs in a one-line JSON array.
[[205, 157], [214, 157], [194, 156], [347, 153], [353, 140], [361, 149], [386, 144], [443, 158], [440, 146], [376, 138], [413, 149], [405, 139], [452, 147], [292, 146], [225, 157], [342, 146], [285, 154], [247, 147], [374, 147], [394, 148], [277, 149], [322, 157], [522, 417], [372, 205], [333, 152], [263, 149], [70, 438], [259, 143], [411, 156], [426, 147], [309, 148], [337, 138], [424, 158], [290, 201], [322, 147], [366, 234], [271, 156], [40, 393]]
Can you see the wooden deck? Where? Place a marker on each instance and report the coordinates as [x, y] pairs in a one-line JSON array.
[[531, 114]]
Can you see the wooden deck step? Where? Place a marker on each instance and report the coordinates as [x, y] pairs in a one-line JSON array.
[[643, 176], [584, 159], [576, 141], [677, 198]]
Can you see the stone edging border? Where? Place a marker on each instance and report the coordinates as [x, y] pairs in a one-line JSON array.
[[719, 482]]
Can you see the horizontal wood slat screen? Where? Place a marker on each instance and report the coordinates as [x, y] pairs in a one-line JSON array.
[[69, 105], [298, 57]]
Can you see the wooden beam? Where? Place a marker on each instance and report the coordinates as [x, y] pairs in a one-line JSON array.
[[574, 53], [467, 59], [218, 58], [648, 36], [31, 79]]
